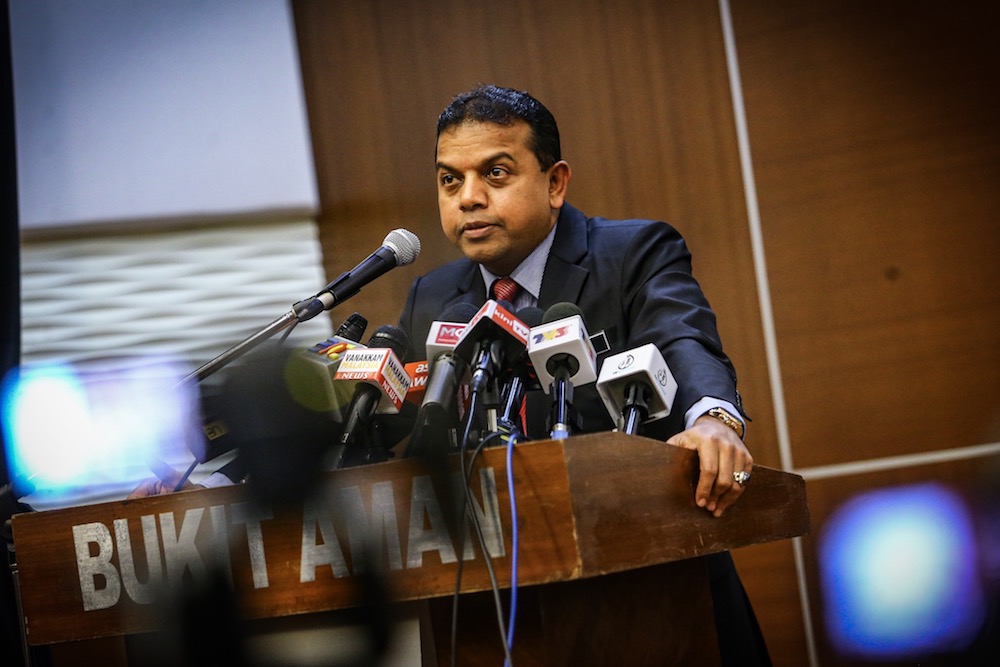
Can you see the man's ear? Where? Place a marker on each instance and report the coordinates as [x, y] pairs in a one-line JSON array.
[[559, 175]]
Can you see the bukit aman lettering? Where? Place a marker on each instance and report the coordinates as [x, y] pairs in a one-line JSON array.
[[177, 545]]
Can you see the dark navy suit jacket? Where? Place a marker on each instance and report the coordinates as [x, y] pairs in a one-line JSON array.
[[632, 280]]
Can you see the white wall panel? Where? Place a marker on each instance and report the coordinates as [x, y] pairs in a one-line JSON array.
[[153, 110]]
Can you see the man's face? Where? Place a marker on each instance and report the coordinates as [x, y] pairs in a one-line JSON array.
[[496, 203]]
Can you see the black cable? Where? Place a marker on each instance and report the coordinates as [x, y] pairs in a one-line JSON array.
[[286, 334], [184, 477], [494, 585], [468, 509]]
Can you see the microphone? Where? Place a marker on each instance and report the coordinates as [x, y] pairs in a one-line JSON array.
[[447, 367], [380, 384], [439, 405], [636, 387], [563, 356], [399, 248], [521, 378], [493, 341], [308, 377], [311, 373]]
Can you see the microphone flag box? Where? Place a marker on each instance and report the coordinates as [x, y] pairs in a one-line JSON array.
[[491, 321], [642, 364], [309, 376], [443, 337], [381, 368], [567, 336], [417, 370]]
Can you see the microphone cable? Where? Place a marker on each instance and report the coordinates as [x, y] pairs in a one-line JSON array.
[[469, 509], [514, 543]]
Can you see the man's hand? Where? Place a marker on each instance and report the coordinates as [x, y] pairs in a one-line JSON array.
[[721, 453], [165, 482]]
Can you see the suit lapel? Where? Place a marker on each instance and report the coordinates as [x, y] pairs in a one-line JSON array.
[[469, 287], [564, 278]]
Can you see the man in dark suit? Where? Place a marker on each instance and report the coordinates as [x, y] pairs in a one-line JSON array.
[[501, 194], [502, 198]]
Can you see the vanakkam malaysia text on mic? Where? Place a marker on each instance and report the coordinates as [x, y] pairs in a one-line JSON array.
[[399, 248], [381, 383], [563, 356], [636, 387]]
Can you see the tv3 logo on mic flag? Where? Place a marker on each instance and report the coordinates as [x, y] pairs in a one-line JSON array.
[[566, 336], [380, 367], [541, 336]]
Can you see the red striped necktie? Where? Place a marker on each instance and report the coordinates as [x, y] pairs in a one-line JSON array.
[[505, 289]]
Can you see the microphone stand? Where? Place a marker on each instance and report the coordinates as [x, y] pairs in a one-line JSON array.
[[297, 314], [636, 407], [562, 400]]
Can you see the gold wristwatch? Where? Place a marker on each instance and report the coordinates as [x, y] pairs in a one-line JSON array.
[[727, 419]]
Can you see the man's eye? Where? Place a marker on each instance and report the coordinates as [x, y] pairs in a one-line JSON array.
[[447, 179], [497, 172]]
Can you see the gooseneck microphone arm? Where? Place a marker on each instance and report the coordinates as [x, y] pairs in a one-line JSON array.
[[400, 247], [287, 320]]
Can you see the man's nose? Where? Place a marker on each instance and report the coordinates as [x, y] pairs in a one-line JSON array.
[[473, 194]]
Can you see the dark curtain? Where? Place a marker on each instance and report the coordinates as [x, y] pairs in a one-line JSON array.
[[10, 306]]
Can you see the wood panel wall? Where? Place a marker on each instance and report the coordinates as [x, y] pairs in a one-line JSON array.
[[877, 156], [872, 130]]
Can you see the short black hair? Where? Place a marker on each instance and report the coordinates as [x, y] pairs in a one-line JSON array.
[[488, 103]]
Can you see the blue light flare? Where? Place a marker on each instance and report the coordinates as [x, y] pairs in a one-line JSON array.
[[900, 574], [90, 430]]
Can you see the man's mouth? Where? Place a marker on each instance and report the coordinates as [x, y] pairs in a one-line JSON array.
[[477, 230]]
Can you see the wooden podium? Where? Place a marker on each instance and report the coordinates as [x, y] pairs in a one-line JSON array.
[[609, 567]]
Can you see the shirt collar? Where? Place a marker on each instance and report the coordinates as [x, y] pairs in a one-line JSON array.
[[528, 273]]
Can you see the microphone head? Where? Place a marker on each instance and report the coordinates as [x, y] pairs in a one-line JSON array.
[[393, 338], [404, 244], [531, 316], [642, 364], [561, 340], [458, 312], [353, 327], [561, 310]]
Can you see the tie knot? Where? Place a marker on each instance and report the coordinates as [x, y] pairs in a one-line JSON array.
[[505, 289]]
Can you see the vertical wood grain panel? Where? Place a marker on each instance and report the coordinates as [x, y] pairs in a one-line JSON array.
[[877, 156]]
